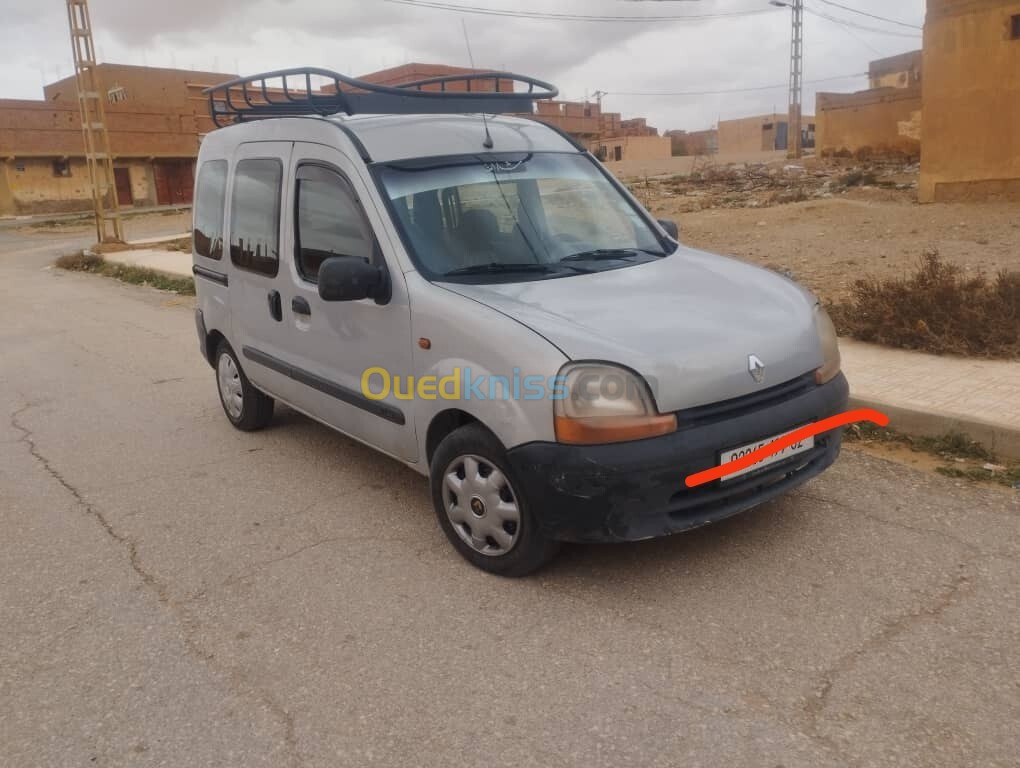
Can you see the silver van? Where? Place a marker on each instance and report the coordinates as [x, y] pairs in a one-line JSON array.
[[477, 297]]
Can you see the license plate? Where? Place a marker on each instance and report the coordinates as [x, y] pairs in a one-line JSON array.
[[738, 453]]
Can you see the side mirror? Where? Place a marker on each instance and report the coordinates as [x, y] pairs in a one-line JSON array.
[[348, 278], [671, 228]]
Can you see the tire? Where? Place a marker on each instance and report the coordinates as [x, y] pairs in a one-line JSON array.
[[479, 507], [247, 409]]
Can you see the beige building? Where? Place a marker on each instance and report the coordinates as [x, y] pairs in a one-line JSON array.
[[762, 133], [632, 149], [971, 91], [900, 71]]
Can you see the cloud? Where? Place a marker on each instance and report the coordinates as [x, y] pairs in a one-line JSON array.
[[356, 37]]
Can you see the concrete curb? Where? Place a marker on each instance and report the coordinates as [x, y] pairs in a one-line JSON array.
[[171, 263], [1001, 440]]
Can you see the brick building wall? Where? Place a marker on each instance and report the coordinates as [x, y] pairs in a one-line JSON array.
[[155, 119]]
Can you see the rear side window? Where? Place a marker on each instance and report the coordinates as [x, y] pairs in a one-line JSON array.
[[255, 216], [209, 204], [329, 221]]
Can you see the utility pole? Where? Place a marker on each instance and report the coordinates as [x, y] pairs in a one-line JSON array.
[[793, 142], [796, 77], [93, 124]]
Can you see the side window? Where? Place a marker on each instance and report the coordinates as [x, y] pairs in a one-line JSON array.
[[255, 216], [209, 204], [329, 221]]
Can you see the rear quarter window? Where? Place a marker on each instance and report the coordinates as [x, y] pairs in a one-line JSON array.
[[255, 216], [210, 201]]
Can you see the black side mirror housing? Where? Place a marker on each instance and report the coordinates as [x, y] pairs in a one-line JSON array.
[[348, 278], [671, 228]]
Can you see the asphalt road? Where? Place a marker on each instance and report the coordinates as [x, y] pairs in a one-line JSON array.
[[176, 593]]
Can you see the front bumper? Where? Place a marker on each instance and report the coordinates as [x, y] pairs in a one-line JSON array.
[[632, 491]]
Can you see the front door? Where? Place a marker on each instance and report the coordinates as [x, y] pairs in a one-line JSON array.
[[174, 181], [258, 281], [331, 213], [122, 180]]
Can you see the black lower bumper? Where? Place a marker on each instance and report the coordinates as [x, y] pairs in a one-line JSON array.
[[633, 491]]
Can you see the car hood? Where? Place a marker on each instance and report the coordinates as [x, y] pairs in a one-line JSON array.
[[688, 323]]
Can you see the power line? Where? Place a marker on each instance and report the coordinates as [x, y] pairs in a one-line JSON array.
[[827, 2], [858, 38], [872, 15], [861, 27], [506, 12], [750, 89]]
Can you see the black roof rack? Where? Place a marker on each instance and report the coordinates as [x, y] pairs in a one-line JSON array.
[[291, 93]]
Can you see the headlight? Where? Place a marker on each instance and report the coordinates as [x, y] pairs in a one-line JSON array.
[[606, 404], [831, 363]]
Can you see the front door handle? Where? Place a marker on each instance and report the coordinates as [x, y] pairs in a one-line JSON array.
[[275, 306], [300, 306]]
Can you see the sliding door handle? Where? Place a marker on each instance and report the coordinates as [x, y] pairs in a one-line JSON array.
[[300, 306], [275, 306]]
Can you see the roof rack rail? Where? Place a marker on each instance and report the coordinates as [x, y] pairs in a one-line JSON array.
[[248, 98]]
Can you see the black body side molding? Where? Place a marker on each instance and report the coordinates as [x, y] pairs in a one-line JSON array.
[[349, 396]]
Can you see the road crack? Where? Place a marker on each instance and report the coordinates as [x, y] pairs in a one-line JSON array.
[[188, 625]]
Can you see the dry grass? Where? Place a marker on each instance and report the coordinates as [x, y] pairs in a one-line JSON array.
[[937, 309], [956, 455], [86, 261]]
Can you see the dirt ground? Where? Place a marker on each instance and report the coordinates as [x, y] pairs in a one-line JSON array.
[[828, 242]]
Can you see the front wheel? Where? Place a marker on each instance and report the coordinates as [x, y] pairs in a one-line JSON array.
[[480, 508]]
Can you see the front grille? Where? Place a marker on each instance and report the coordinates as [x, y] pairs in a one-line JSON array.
[[738, 406]]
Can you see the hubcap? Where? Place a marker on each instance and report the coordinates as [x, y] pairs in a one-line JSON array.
[[481, 505], [230, 386]]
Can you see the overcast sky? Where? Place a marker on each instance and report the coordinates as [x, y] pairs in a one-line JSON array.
[[360, 36]]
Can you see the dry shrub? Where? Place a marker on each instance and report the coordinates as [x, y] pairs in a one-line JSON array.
[[88, 261], [937, 309], [80, 261]]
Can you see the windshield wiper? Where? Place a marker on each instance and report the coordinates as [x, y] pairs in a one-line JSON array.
[[606, 254], [499, 268]]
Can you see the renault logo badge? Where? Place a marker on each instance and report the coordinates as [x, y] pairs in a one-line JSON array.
[[756, 368]]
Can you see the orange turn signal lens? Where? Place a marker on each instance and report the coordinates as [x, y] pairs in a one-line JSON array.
[[598, 430]]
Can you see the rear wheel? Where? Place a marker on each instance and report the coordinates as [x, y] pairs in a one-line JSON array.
[[246, 408], [480, 506]]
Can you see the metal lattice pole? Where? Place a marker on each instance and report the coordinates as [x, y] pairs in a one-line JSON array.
[[93, 124], [796, 78]]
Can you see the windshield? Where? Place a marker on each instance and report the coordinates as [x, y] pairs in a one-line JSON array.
[[521, 217]]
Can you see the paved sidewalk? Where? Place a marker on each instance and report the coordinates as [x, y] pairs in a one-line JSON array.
[[176, 263], [931, 395], [85, 217], [922, 394]]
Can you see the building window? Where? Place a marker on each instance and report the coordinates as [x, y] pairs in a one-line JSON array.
[[1014, 27], [209, 204], [255, 216], [61, 168], [768, 126], [329, 221], [618, 153], [116, 94]]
